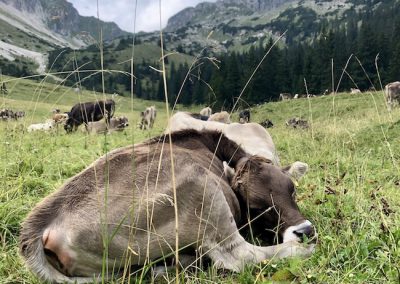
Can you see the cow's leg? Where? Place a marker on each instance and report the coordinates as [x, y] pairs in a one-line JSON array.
[[236, 253]]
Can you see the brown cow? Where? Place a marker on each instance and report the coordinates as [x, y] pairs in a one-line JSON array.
[[118, 123], [131, 210], [392, 94]]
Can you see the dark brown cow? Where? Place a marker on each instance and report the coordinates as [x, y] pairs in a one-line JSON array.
[[297, 123], [90, 111], [244, 116], [127, 202]]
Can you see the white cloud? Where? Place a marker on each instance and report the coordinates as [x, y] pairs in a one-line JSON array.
[[122, 12]]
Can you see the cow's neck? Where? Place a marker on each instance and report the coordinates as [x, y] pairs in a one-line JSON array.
[[224, 148], [214, 141]]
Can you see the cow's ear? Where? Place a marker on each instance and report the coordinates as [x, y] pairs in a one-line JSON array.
[[229, 172], [142, 113], [296, 170]]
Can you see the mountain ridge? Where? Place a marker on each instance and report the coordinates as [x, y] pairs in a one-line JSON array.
[[31, 28]]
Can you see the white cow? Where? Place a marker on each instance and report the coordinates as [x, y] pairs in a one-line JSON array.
[[148, 117], [206, 111], [355, 91], [48, 125]]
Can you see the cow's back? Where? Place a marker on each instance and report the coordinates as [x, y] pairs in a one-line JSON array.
[[254, 139]]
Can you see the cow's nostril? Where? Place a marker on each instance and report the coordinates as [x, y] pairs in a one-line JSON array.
[[306, 231], [53, 259]]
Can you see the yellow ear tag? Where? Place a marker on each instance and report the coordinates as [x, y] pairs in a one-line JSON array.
[[295, 182]]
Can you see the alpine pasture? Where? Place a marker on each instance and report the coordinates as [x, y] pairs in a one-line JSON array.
[[351, 192]]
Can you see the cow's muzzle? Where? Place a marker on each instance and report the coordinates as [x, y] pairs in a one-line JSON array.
[[304, 230]]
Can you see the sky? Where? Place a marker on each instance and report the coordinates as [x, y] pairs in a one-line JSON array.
[[122, 11]]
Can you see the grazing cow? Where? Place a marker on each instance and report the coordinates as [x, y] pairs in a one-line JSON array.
[[63, 238], [3, 89], [222, 116], [267, 123], [116, 124], [297, 123], [244, 116], [19, 114], [59, 117], [6, 114], [148, 117], [48, 125], [90, 111], [285, 96], [207, 111], [355, 91], [392, 94]]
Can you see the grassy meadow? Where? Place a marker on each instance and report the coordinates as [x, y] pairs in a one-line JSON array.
[[351, 192]]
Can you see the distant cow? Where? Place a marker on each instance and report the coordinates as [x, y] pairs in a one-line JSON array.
[[222, 116], [285, 96], [19, 114], [267, 123], [116, 124], [48, 125], [354, 91], [244, 116], [90, 111], [206, 111], [6, 114], [297, 123], [3, 89], [59, 117], [392, 94], [148, 117]]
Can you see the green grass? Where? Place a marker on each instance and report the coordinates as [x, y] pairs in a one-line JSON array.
[[351, 192]]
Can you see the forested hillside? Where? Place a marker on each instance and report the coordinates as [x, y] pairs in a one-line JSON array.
[[368, 37]]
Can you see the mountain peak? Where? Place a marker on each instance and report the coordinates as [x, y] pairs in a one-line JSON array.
[[220, 11]]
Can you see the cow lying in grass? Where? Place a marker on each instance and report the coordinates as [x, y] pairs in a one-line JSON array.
[[118, 123], [46, 126], [120, 211]]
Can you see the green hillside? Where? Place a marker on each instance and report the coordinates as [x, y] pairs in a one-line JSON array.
[[351, 193], [116, 57]]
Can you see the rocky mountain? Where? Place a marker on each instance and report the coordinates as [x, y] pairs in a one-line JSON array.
[[235, 25], [30, 28], [221, 11]]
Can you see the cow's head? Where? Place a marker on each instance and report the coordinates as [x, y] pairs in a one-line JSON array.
[[264, 187], [68, 126], [121, 122]]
